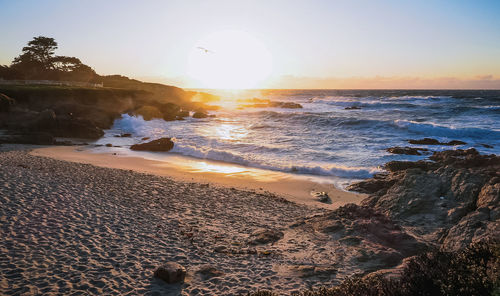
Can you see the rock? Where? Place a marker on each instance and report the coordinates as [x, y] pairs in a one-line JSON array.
[[264, 236], [200, 115], [394, 166], [145, 138], [285, 105], [171, 273], [465, 158], [455, 143], [126, 135], [6, 103], [406, 150], [149, 112], [430, 141], [450, 202], [380, 236], [425, 141], [321, 196], [352, 108], [220, 249], [160, 145], [486, 146], [109, 145], [372, 185]]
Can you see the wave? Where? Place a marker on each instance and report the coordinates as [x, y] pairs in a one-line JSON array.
[[229, 157], [431, 129]]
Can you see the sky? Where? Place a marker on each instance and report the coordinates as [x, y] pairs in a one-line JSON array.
[[270, 43]]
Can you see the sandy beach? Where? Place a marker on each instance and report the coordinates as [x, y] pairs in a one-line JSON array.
[[74, 228]]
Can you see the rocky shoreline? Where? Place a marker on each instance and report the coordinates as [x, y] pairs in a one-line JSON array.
[[449, 201]]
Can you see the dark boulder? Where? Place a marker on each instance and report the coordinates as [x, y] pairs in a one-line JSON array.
[[465, 158], [149, 112], [285, 105], [425, 141], [159, 145], [352, 108], [396, 165], [171, 273], [430, 141], [455, 143], [406, 150]]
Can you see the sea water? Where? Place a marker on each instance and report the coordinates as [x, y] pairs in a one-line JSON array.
[[324, 138]]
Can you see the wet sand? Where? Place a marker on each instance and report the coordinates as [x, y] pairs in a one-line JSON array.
[[296, 188]]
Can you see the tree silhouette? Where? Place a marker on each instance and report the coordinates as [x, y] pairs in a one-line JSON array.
[[38, 61]]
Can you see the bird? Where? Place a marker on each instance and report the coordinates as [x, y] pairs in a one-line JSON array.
[[204, 49]]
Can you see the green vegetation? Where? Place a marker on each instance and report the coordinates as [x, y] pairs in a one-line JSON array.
[[472, 271]]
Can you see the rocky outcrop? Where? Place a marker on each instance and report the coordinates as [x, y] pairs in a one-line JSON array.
[[378, 239], [84, 112], [159, 145], [449, 202]]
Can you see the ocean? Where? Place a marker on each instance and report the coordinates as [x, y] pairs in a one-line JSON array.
[[324, 138]]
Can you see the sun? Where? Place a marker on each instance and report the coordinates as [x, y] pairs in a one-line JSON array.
[[229, 60]]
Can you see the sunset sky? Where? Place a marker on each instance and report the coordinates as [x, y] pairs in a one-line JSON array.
[[271, 43]]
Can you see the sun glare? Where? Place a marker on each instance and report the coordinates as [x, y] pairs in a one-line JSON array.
[[229, 60]]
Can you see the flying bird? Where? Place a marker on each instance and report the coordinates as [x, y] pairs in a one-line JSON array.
[[204, 49]]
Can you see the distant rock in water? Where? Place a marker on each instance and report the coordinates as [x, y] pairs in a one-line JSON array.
[[285, 105], [430, 141], [452, 201], [406, 150], [126, 135], [200, 115], [486, 146], [264, 103], [160, 145], [352, 108], [149, 112]]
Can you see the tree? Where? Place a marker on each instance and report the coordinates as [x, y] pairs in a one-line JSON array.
[[36, 58], [41, 49], [38, 61]]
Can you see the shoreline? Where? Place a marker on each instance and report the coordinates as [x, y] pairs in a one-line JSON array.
[[295, 188]]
